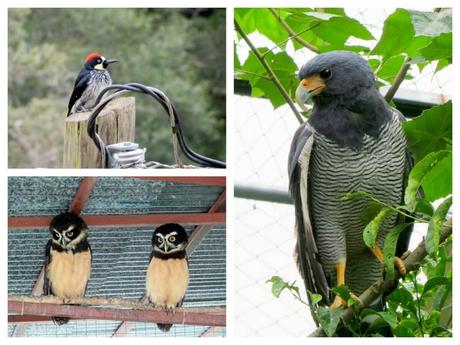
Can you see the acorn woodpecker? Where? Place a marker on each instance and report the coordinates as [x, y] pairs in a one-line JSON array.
[[91, 80]]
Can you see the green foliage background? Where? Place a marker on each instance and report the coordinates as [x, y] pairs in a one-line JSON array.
[[421, 305], [177, 51]]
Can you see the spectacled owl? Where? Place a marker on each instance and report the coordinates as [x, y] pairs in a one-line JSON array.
[[68, 259], [167, 274]]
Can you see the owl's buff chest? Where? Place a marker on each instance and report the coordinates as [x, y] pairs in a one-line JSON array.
[[167, 281], [69, 273]]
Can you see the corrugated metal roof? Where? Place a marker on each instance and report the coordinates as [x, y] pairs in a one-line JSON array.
[[34, 196], [120, 255]]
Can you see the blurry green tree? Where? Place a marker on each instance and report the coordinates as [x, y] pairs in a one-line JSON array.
[[181, 52]]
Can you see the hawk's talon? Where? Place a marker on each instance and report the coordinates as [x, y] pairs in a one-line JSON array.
[[399, 263], [338, 302], [405, 255]]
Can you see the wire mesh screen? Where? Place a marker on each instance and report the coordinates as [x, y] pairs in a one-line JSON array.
[[105, 328], [265, 237]]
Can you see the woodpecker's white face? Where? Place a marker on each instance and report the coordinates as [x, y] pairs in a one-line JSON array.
[[100, 63]]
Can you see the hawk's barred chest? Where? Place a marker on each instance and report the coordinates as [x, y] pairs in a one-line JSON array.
[[377, 167]]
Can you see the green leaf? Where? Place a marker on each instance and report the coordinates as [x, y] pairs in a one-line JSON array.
[[338, 29], [389, 248], [431, 23], [406, 328], [435, 282], [435, 226], [390, 68], [370, 211], [389, 317], [278, 285], [431, 131], [354, 195], [371, 230], [437, 183], [342, 291], [440, 48], [261, 20], [424, 207], [315, 298], [330, 29], [402, 298], [413, 49], [328, 319], [441, 64], [284, 68], [397, 35], [418, 173]]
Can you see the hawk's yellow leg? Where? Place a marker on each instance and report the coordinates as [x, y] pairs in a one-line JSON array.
[[338, 301]]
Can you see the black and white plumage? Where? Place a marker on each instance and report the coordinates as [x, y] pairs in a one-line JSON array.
[[91, 80], [353, 141], [68, 259], [167, 273]]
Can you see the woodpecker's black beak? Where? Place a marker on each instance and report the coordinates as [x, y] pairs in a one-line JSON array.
[[108, 62]]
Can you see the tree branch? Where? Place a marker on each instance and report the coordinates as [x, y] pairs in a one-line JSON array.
[[269, 72], [412, 263], [398, 79], [294, 35]]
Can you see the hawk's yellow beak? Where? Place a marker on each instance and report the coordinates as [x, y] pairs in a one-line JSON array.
[[308, 88]]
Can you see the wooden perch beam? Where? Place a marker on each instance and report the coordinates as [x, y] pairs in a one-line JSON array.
[[124, 220], [112, 309], [412, 263]]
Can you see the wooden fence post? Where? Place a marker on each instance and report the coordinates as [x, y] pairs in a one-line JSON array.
[[116, 123]]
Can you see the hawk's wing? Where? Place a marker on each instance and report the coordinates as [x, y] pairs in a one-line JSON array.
[[306, 251]]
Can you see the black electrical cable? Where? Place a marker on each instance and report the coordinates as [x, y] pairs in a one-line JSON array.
[[165, 104]]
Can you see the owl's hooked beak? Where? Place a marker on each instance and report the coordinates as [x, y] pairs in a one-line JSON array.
[[165, 246]]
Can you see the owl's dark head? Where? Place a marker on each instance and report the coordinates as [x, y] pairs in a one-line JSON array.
[[169, 239], [67, 230]]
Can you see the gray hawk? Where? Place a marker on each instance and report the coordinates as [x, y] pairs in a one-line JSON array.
[[352, 141]]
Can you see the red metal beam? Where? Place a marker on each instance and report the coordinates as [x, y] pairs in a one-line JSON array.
[[125, 220], [201, 180], [209, 317], [82, 196], [26, 319]]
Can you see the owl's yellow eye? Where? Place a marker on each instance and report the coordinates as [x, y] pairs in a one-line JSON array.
[[172, 239], [160, 240], [70, 233]]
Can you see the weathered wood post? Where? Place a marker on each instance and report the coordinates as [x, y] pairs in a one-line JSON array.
[[115, 123]]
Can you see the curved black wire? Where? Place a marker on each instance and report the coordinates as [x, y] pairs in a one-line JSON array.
[[136, 87]]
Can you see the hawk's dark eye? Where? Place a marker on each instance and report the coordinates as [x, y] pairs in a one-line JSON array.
[[325, 73]]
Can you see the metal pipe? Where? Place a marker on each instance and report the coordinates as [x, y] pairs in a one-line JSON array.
[[263, 194]]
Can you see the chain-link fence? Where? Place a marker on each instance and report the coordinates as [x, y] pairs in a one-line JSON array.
[[264, 231]]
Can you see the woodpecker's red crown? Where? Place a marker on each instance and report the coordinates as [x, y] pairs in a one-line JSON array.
[[93, 56]]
